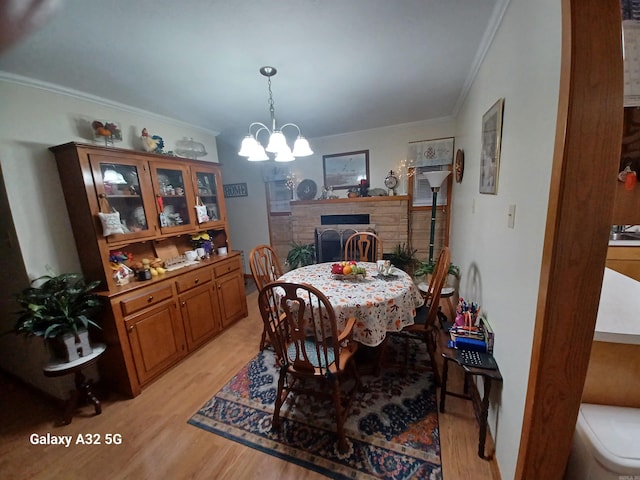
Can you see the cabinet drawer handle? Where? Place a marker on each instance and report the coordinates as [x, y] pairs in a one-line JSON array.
[[184, 304], [150, 299], [131, 327], [196, 280]]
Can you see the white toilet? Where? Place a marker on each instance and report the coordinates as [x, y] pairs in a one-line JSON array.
[[606, 444]]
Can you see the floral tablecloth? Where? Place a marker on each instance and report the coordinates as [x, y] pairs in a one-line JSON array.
[[379, 305]]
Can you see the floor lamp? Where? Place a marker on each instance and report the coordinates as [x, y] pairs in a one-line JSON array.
[[435, 179]]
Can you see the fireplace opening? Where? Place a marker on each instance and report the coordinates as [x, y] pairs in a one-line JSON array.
[[333, 232], [348, 219]]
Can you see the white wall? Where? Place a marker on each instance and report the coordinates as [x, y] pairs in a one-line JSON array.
[[387, 147], [501, 266], [32, 120]]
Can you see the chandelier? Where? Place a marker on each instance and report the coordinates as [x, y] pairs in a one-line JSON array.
[[277, 143]]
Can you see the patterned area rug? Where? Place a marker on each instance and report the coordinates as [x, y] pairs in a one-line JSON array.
[[392, 429]]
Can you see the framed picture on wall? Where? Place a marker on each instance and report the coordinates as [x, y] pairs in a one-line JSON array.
[[345, 170], [279, 197], [431, 153], [490, 154]]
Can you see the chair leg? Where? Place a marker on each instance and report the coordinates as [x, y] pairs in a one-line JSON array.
[[340, 417], [281, 395], [263, 340], [382, 348], [431, 348]]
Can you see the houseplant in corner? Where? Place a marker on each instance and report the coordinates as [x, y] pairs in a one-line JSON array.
[[426, 269], [404, 257], [300, 255], [59, 309]]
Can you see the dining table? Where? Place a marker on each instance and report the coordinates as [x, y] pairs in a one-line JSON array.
[[379, 303]]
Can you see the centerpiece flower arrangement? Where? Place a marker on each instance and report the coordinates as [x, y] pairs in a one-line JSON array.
[[202, 240]]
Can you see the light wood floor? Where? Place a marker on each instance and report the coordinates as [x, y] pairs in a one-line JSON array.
[[157, 442]]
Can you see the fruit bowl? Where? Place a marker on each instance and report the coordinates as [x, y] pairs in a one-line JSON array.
[[348, 270], [350, 277]]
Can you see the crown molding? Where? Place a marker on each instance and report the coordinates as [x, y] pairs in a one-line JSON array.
[[58, 89], [489, 34]]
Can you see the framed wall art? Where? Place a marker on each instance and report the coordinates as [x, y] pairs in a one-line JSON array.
[[431, 153], [235, 190], [345, 170], [490, 154], [272, 173], [279, 197]]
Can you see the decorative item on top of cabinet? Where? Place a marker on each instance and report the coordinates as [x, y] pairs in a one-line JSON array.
[[108, 132], [152, 143], [188, 147], [151, 324]]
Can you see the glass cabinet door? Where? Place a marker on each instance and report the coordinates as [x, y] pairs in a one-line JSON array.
[[174, 199], [208, 187], [123, 187]]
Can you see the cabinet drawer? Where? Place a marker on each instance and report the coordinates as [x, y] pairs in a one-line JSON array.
[[144, 300], [227, 267], [193, 279]]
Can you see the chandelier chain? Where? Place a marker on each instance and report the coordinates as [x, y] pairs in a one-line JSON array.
[[271, 104]]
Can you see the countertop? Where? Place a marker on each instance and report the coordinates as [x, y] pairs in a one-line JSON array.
[[618, 318], [624, 243]]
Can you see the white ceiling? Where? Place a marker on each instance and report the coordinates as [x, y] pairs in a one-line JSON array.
[[343, 66]]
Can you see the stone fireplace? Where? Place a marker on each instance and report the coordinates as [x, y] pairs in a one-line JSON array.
[[387, 216]]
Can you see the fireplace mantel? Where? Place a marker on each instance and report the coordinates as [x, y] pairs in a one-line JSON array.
[[390, 214], [356, 200]]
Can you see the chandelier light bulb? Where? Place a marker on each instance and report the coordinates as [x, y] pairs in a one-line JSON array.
[[285, 155], [301, 147], [277, 142], [258, 154], [248, 145]]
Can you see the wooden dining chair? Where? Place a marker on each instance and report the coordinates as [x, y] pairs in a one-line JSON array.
[[301, 324], [363, 247], [425, 327], [265, 268]]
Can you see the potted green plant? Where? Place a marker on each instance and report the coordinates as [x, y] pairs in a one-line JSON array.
[[59, 308], [404, 257], [300, 255], [426, 268]]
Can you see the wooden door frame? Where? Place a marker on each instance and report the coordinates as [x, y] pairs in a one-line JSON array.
[[581, 200]]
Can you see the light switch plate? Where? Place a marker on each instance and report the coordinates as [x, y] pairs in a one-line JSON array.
[[511, 216]]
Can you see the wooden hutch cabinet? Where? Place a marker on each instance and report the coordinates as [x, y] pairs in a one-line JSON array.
[[150, 325]]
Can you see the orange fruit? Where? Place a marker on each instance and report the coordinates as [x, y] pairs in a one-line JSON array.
[[346, 270]]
